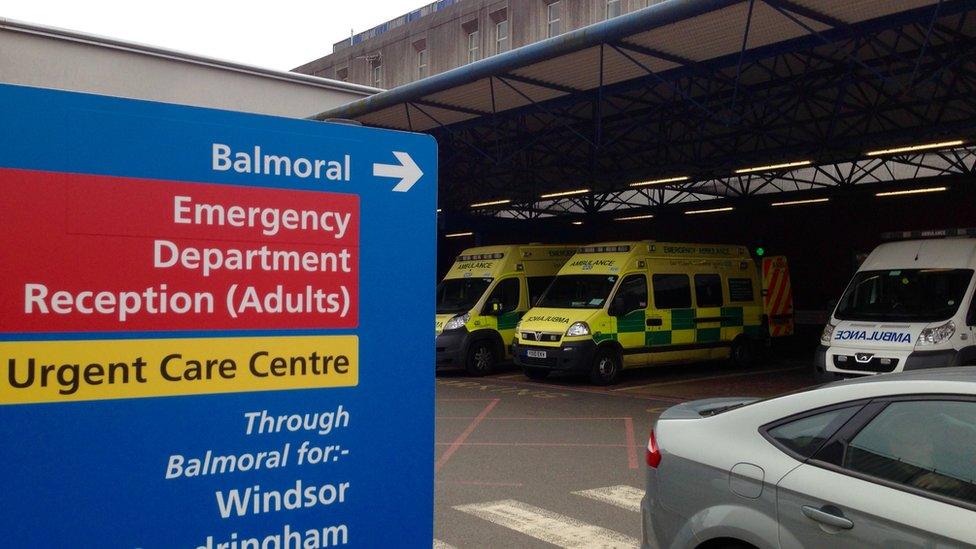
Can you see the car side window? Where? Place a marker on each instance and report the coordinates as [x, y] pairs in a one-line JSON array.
[[804, 436], [631, 295], [672, 291], [505, 292], [927, 444], [708, 290], [537, 287], [740, 289]]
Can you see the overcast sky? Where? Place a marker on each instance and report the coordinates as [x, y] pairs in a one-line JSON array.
[[278, 34]]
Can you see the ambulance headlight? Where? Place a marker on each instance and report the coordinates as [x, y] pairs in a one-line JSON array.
[[939, 334], [578, 329], [457, 322], [827, 333]]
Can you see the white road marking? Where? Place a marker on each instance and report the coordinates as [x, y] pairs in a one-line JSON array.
[[438, 544], [559, 530], [623, 496]]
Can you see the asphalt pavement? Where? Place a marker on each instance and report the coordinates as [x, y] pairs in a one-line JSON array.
[[522, 463]]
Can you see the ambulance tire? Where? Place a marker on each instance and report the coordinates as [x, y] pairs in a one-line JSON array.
[[481, 359], [606, 367], [745, 352], [537, 374]]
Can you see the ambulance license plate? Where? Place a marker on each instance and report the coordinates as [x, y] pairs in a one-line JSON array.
[[532, 353]]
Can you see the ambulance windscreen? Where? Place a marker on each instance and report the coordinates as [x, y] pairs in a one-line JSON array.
[[904, 295], [459, 295], [578, 292]]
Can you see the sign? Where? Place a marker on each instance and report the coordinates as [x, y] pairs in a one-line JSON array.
[[214, 328]]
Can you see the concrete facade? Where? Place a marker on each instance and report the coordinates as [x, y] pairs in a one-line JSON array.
[[394, 57], [45, 57]]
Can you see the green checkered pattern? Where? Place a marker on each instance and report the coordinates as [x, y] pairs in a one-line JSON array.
[[679, 327], [508, 321]]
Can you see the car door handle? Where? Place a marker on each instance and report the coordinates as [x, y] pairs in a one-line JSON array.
[[655, 322], [827, 515]]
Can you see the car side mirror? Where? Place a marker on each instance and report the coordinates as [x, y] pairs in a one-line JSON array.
[[495, 307]]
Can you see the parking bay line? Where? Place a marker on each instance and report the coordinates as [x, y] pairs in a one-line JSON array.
[[708, 378], [631, 443], [482, 483], [532, 418], [464, 436], [438, 544], [540, 444], [541, 524], [623, 496]]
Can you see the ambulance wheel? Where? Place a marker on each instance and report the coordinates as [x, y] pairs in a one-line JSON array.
[[481, 358], [537, 374], [744, 352], [606, 367]]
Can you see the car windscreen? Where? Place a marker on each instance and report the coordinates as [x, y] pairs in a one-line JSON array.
[[459, 295], [578, 292], [904, 295]]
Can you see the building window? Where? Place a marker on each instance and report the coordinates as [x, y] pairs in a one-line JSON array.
[[422, 63], [474, 45], [613, 8], [342, 74], [376, 68], [555, 27], [420, 47], [501, 36]]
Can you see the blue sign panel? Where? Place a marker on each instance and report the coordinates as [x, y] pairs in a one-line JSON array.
[[214, 328]]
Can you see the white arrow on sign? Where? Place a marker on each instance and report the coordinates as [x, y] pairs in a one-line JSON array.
[[407, 171]]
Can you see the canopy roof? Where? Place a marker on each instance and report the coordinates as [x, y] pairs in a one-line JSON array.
[[699, 89]]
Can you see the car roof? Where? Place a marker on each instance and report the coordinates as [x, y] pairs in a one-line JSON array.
[[940, 381], [965, 374]]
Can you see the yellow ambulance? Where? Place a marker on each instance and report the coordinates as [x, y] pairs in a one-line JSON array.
[[484, 295], [625, 305]]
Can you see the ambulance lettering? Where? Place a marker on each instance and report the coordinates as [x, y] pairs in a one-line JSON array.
[[560, 319], [480, 265], [863, 335], [589, 263]]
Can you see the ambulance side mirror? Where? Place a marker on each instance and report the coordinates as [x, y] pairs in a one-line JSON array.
[[495, 307]]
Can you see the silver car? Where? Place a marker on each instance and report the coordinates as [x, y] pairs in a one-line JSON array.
[[886, 461]]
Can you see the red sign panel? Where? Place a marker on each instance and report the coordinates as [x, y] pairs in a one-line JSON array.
[[124, 254]]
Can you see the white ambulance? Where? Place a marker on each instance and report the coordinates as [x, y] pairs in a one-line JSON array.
[[910, 306]]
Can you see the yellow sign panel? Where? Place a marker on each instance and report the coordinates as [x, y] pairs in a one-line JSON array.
[[64, 371]]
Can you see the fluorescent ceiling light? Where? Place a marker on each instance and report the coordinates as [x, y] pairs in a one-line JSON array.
[[798, 202], [565, 193], [912, 191], [577, 222], [772, 167], [913, 148], [660, 181], [490, 203], [456, 235], [710, 210], [634, 217], [439, 210]]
